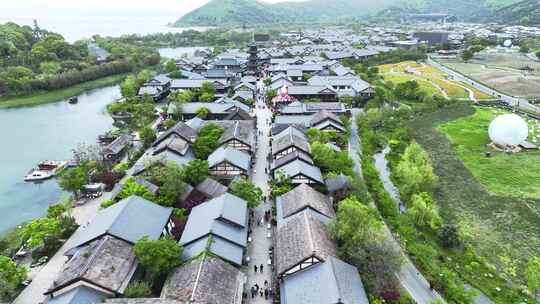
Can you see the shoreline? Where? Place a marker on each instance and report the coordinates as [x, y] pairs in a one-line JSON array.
[[61, 94]]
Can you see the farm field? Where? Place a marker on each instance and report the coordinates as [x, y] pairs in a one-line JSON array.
[[502, 71], [431, 80], [501, 222]]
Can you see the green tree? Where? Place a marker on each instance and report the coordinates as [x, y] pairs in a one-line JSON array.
[[130, 87], [424, 212], [206, 97], [248, 191], [524, 49], [467, 55], [414, 171], [131, 187], [532, 274], [355, 223], [208, 87], [37, 230], [281, 184], [194, 172], [449, 236], [56, 210], [203, 112], [138, 289], [158, 256], [331, 161], [148, 136], [171, 185], [207, 141], [11, 277], [73, 180], [170, 66]]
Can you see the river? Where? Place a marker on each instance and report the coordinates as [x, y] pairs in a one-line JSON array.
[[32, 134]]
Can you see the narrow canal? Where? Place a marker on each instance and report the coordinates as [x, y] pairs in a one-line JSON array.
[[32, 134], [381, 163]]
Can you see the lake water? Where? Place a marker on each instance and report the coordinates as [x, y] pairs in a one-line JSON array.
[[30, 135], [179, 52], [75, 27]]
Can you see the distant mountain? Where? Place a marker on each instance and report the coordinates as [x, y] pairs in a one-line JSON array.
[[253, 12], [463, 10], [523, 13]]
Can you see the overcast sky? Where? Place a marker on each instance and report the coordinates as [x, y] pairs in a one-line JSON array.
[[17, 8]]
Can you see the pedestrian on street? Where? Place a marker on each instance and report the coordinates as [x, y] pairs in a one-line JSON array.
[[261, 293], [253, 291], [261, 267], [256, 287], [266, 293], [265, 283], [255, 268]]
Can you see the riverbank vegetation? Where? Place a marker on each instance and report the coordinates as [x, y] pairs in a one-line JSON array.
[[445, 228], [34, 60], [212, 37], [44, 97]]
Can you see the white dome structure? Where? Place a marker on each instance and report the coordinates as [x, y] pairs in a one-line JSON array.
[[508, 130]]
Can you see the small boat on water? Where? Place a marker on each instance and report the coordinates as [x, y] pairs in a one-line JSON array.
[[45, 170], [73, 100]]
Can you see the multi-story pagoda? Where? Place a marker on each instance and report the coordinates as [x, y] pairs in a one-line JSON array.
[[253, 59]]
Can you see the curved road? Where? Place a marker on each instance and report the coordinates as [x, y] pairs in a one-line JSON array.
[[510, 100]]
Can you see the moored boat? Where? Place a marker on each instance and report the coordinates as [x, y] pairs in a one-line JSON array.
[[73, 100], [45, 170]]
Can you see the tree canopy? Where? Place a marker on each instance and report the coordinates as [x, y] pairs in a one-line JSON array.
[[414, 171], [207, 141], [73, 180], [195, 171], [158, 256], [248, 191], [11, 277]]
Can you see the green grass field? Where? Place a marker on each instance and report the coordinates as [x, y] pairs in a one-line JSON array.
[[501, 222], [58, 95], [431, 80], [503, 174]]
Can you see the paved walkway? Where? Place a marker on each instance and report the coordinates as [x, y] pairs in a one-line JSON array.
[[258, 250], [42, 280]]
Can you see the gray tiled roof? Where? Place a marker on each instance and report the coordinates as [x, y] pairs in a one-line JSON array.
[[211, 188], [282, 161], [303, 197], [108, 262], [118, 144], [179, 129], [355, 82], [325, 115], [205, 280], [312, 107], [330, 282], [311, 90], [173, 143], [302, 237], [242, 130], [297, 167], [130, 219], [329, 124], [338, 182], [79, 295], [224, 216], [291, 137], [233, 156]]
